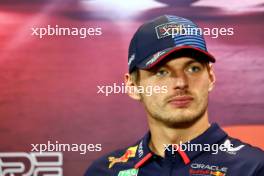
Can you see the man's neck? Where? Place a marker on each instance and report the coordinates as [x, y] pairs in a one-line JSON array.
[[162, 134]]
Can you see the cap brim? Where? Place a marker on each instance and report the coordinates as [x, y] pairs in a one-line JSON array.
[[187, 51]]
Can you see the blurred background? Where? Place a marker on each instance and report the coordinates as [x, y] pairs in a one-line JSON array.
[[48, 86]]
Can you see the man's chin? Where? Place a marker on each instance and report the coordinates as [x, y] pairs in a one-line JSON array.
[[183, 122], [180, 117], [181, 111]]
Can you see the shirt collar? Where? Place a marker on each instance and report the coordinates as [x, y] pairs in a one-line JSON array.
[[213, 135]]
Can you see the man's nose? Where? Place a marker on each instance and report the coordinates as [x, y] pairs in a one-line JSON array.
[[180, 81]]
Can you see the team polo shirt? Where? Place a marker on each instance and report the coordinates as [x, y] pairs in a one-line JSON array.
[[235, 158]]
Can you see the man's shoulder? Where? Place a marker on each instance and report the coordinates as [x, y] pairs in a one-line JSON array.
[[105, 164], [243, 155], [243, 151]]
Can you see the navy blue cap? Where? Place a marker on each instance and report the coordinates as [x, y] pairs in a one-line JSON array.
[[166, 35]]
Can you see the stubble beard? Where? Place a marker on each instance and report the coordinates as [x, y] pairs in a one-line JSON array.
[[179, 118]]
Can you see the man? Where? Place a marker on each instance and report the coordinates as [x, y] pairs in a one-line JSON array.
[[181, 141]]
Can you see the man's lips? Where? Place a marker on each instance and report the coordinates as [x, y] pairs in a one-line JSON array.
[[181, 101]]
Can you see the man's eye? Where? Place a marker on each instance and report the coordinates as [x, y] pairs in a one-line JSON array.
[[194, 69], [162, 72]]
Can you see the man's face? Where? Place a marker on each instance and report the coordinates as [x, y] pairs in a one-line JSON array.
[[188, 83]]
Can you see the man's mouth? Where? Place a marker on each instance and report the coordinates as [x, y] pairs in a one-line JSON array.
[[180, 101]]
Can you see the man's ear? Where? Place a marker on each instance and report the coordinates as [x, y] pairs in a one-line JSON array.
[[131, 87], [211, 77]]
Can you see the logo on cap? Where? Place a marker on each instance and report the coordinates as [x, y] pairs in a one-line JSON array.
[[168, 29], [155, 57], [132, 57]]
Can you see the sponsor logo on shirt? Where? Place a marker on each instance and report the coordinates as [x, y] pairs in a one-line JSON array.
[[129, 172], [206, 169], [230, 149], [130, 153], [140, 149]]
